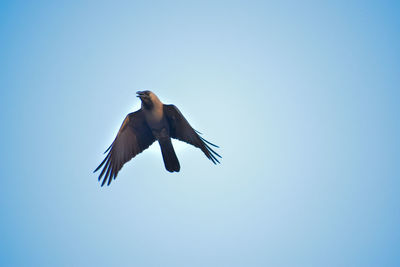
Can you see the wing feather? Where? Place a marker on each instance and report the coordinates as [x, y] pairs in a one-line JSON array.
[[133, 137], [180, 129]]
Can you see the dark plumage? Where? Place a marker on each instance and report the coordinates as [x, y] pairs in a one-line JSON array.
[[154, 121]]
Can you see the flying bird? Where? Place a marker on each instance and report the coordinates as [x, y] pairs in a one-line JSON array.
[[153, 121]]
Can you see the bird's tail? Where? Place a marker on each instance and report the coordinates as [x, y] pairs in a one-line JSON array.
[[171, 161]]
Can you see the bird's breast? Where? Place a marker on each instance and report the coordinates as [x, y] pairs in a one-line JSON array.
[[155, 119]]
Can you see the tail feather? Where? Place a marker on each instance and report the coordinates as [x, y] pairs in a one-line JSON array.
[[171, 161]]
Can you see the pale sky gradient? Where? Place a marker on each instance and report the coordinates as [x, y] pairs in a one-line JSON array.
[[302, 97]]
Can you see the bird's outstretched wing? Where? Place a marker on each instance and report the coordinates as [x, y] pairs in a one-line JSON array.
[[181, 130], [133, 137]]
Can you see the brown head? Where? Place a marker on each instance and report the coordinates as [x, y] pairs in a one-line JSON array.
[[149, 99]]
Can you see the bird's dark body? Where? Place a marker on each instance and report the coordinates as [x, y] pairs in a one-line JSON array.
[[163, 137], [154, 121], [171, 161]]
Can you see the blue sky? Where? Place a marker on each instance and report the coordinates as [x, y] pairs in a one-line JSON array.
[[303, 99]]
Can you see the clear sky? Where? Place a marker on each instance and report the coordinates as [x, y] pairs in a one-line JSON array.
[[302, 97]]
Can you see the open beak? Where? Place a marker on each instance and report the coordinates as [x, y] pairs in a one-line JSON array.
[[139, 94]]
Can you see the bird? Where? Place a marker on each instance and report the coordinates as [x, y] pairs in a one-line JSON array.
[[154, 121]]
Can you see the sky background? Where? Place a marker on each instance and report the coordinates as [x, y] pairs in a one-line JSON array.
[[303, 98]]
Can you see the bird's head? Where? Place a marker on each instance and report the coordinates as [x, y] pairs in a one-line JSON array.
[[148, 98]]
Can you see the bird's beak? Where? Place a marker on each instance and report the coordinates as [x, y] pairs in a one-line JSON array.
[[139, 94]]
